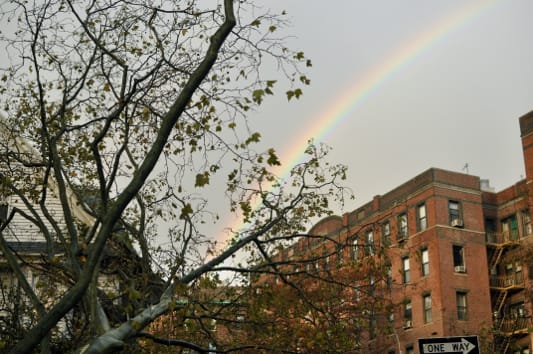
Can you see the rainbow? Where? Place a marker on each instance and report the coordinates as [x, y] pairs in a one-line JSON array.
[[355, 95]]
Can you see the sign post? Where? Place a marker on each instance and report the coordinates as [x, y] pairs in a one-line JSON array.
[[449, 345]]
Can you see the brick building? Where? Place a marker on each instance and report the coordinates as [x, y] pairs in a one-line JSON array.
[[459, 255]]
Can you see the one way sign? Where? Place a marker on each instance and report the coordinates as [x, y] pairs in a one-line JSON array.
[[452, 345]]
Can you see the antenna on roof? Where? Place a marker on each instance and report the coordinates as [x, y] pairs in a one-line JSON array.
[[465, 168]]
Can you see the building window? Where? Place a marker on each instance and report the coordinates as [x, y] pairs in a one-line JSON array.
[[385, 233], [355, 249], [426, 301], [421, 218], [388, 276], [424, 255], [490, 225], [406, 270], [513, 274], [369, 246], [340, 256], [510, 228], [455, 213], [460, 297], [409, 349], [526, 222], [490, 229], [326, 262], [517, 310], [239, 322], [458, 259], [390, 318], [407, 315], [403, 230]]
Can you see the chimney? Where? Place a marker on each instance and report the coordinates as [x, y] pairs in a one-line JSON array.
[[375, 203]]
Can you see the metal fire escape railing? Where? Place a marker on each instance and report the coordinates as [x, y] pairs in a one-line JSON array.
[[500, 301], [508, 327], [505, 324], [499, 242]]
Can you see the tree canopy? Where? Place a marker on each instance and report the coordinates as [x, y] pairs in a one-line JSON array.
[[118, 117]]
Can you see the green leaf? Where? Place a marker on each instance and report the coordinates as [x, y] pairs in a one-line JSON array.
[[294, 93], [246, 209], [257, 95], [290, 94], [186, 211], [254, 138], [273, 158], [305, 80], [202, 179]]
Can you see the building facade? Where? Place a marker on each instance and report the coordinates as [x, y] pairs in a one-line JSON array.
[[459, 255]]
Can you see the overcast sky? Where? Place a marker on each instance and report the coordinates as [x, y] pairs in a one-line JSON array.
[[453, 98], [441, 83]]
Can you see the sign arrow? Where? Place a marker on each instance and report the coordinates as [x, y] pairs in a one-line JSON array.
[[463, 347]]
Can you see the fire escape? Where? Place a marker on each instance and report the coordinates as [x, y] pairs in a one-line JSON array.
[[505, 281]]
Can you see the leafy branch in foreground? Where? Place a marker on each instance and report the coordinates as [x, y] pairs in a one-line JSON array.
[[125, 137]]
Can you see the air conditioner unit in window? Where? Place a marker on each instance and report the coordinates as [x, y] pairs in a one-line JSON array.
[[407, 324], [460, 269], [457, 223]]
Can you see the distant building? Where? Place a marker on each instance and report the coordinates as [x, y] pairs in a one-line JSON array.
[[459, 253]]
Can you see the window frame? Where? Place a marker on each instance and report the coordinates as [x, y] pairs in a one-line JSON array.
[[355, 249], [455, 214], [402, 226], [386, 236], [388, 276], [407, 314], [526, 222], [461, 306], [427, 308], [510, 229], [459, 261], [369, 242], [406, 270], [517, 310], [424, 261], [339, 256], [421, 220]]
